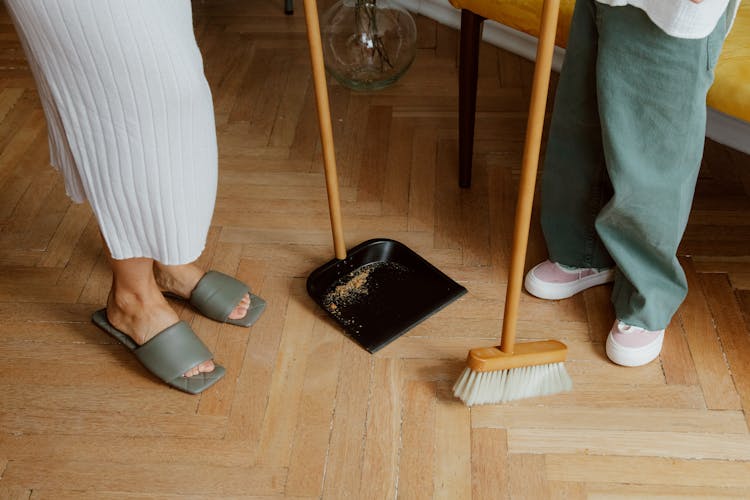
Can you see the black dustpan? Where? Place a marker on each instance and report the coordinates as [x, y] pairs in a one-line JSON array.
[[380, 291], [380, 288]]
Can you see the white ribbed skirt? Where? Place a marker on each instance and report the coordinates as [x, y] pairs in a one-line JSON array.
[[130, 118]]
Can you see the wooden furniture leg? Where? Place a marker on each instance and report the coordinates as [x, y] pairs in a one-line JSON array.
[[468, 67]]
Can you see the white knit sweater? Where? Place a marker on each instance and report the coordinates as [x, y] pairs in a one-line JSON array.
[[681, 18]]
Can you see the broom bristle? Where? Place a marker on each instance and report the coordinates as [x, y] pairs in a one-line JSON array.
[[491, 387]]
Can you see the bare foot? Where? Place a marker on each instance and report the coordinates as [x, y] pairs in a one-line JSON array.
[[144, 317], [182, 279]]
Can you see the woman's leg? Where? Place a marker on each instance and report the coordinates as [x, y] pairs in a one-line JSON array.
[[136, 305], [652, 105], [131, 118], [574, 183]]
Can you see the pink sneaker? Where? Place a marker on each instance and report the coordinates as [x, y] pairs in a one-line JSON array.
[[633, 346], [550, 280]]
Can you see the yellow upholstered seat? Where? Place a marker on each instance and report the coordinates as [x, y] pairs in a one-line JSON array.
[[730, 92], [521, 15]]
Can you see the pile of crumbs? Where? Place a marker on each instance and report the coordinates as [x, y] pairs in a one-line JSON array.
[[350, 288]]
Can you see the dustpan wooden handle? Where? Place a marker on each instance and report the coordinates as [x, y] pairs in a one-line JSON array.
[[539, 90], [324, 122]]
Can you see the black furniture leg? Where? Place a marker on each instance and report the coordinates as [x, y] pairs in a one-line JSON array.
[[468, 67]]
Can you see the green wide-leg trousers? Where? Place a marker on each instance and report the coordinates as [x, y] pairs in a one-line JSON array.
[[623, 154]]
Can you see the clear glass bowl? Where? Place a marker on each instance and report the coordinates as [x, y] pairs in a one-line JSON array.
[[368, 44]]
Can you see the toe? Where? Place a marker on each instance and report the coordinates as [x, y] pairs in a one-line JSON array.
[[205, 367], [241, 310]]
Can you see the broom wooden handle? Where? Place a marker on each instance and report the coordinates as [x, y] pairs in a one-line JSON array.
[[529, 166], [324, 122]]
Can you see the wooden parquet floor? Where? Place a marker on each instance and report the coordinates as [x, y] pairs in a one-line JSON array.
[[304, 412]]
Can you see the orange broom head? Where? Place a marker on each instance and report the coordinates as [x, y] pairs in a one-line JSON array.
[[533, 369], [488, 359]]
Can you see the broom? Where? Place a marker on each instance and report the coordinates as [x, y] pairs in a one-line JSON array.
[[515, 371]]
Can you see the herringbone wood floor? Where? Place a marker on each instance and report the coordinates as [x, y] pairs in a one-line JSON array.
[[304, 412]]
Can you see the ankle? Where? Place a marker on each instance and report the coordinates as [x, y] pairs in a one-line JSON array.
[[128, 300], [178, 279], [140, 315], [132, 304]]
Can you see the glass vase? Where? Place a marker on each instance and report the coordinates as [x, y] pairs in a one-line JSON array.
[[368, 44]]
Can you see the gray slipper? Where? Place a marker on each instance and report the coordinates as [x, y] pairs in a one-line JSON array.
[[169, 354], [217, 294]]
